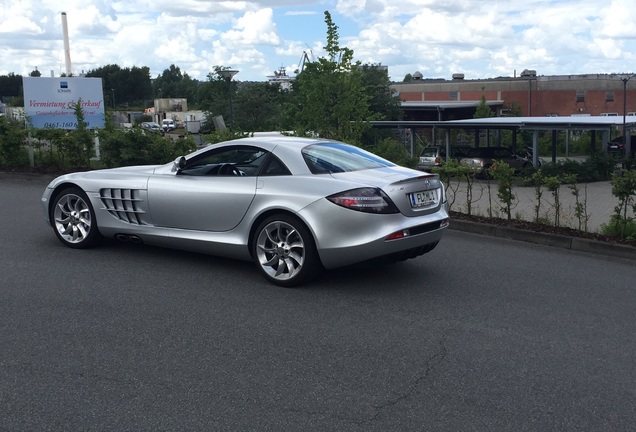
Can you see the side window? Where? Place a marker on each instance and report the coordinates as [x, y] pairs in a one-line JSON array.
[[232, 160], [274, 167]]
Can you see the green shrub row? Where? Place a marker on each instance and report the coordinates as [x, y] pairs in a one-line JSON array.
[[549, 179], [62, 150]]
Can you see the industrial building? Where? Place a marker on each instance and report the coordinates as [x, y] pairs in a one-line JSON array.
[[602, 103], [529, 95]]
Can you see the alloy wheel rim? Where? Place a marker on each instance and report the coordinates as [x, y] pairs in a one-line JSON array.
[[280, 250], [72, 218]]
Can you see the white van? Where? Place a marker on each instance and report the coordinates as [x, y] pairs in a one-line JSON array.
[[168, 125]]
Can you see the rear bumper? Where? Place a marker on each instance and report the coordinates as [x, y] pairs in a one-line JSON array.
[[346, 237], [404, 248]]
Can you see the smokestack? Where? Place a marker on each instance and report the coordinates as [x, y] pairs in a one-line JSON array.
[[67, 48]]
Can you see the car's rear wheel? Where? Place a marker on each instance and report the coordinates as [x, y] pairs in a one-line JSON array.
[[485, 174], [284, 251], [73, 219]]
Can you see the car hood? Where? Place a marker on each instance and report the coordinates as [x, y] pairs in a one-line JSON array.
[[132, 173]]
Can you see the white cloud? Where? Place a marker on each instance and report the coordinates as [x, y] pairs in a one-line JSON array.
[[438, 37], [253, 28]]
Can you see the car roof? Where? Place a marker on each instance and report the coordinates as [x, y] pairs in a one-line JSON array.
[[488, 151], [281, 140]]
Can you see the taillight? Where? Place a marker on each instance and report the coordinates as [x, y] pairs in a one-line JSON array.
[[368, 200]]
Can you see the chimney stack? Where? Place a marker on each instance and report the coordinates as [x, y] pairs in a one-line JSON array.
[[67, 49]]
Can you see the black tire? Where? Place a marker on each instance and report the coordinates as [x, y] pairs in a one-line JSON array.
[[73, 219], [284, 251], [485, 174]]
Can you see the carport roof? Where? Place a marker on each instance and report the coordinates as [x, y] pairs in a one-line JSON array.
[[520, 123], [442, 105]]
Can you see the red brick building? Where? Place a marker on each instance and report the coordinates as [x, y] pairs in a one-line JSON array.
[[532, 95]]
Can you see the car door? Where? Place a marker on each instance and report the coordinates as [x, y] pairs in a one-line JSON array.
[[203, 197], [508, 157]]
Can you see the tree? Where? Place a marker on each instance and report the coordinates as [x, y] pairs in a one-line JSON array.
[[10, 85], [35, 73], [483, 110], [172, 83], [212, 96], [125, 87], [329, 97], [383, 103], [259, 107]]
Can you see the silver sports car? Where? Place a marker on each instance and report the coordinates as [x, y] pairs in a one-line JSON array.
[[291, 205]]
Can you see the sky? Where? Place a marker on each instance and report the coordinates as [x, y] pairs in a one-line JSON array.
[[438, 38]]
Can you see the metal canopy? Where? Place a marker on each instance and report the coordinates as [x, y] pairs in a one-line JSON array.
[[535, 124], [519, 123]]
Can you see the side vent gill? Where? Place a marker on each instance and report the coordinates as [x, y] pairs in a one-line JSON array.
[[124, 204]]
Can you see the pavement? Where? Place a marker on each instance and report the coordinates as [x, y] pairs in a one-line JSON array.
[[596, 198]]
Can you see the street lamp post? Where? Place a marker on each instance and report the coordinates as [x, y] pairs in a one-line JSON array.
[[113, 90], [627, 144], [227, 75]]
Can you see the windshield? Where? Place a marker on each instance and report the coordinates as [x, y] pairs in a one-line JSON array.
[[334, 158]]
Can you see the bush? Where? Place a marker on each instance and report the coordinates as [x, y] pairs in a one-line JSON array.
[[137, 147], [12, 151], [623, 188], [598, 167], [618, 227], [393, 150], [504, 175]]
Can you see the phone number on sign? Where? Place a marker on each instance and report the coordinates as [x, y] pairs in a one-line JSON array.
[[62, 125]]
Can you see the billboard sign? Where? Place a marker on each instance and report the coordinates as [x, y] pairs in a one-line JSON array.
[[50, 102]]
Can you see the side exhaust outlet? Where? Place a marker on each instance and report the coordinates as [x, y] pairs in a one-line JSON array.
[[125, 238]]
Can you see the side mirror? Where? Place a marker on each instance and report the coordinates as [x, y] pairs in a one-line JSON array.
[[179, 164]]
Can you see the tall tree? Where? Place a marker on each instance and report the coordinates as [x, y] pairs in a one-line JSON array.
[[483, 110], [329, 94], [166, 85], [383, 103], [258, 107], [124, 87], [213, 96], [10, 86]]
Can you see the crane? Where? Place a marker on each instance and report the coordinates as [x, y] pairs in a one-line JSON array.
[[304, 58]]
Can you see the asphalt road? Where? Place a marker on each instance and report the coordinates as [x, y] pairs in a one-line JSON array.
[[482, 334]]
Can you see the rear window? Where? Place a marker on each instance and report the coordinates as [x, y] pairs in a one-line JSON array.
[[328, 158], [429, 152]]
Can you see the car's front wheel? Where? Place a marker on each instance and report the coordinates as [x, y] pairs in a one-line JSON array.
[[73, 219], [284, 251]]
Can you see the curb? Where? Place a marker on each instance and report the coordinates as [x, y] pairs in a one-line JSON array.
[[545, 239], [26, 176]]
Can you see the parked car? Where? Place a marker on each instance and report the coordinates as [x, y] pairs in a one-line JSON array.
[[168, 125], [152, 126], [433, 156], [482, 158], [617, 146], [292, 205]]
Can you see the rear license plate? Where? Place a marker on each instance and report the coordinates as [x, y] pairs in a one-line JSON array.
[[423, 198]]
